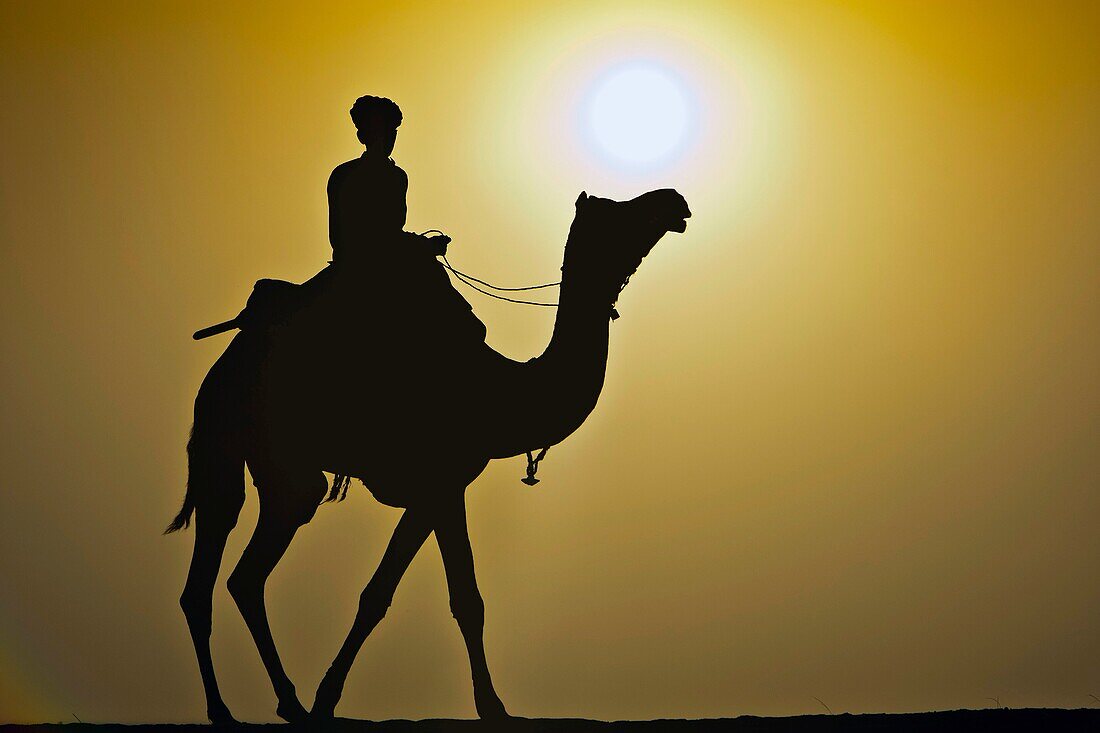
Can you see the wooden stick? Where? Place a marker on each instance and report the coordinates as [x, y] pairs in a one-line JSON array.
[[216, 329]]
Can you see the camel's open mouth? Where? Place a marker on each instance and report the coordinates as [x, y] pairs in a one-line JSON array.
[[679, 217], [665, 209]]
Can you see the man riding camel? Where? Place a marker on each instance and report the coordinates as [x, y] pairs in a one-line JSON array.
[[366, 196], [373, 259]]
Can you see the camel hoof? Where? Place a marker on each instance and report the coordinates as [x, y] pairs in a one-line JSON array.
[[316, 715], [492, 710], [328, 695], [220, 715], [292, 711]]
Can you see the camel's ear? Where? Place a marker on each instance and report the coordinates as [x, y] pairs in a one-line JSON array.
[[582, 198]]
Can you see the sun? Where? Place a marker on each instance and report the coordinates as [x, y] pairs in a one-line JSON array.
[[637, 116]]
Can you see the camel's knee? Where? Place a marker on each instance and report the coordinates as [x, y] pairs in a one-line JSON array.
[[193, 602], [468, 609], [374, 602], [197, 610], [245, 586]]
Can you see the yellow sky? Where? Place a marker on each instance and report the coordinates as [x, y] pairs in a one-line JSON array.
[[847, 447]]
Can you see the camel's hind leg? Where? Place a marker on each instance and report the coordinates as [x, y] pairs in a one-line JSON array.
[[286, 503], [215, 516]]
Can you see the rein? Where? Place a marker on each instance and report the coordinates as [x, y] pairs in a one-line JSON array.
[[469, 281]]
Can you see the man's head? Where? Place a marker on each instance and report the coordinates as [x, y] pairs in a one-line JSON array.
[[376, 121]]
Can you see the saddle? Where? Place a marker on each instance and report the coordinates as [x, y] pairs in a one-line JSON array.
[[342, 302], [270, 303]]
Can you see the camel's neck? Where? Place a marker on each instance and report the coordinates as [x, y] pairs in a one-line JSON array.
[[548, 398]]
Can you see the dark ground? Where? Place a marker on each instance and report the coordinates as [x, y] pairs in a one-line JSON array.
[[1028, 719]]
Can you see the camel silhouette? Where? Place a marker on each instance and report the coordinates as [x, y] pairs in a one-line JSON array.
[[417, 422]]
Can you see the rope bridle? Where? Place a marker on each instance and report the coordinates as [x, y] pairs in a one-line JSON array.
[[473, 282], [469, 281]]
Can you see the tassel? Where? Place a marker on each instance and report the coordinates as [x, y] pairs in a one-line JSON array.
[[533, 466]]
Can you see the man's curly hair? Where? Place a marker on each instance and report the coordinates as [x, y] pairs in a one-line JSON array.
[[373, 112]]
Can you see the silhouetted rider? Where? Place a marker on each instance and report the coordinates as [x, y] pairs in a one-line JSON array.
[[366, 199], [366, 196], [375, 262]]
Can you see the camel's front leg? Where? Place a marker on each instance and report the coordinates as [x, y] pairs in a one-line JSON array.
[[413, 528], [466, 603]]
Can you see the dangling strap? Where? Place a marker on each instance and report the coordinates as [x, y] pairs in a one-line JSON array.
[[614, 310], [533, 466]]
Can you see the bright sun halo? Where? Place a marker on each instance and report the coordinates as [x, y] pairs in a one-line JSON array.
[[637, 116]]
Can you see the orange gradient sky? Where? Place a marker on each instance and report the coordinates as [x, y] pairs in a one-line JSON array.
[[848, 444]]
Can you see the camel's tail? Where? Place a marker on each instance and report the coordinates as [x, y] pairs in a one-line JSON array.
[[215, 453], [215, 479], [183, 519]]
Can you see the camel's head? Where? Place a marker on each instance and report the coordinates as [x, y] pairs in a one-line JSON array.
[[651, 214], [608, 239]]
